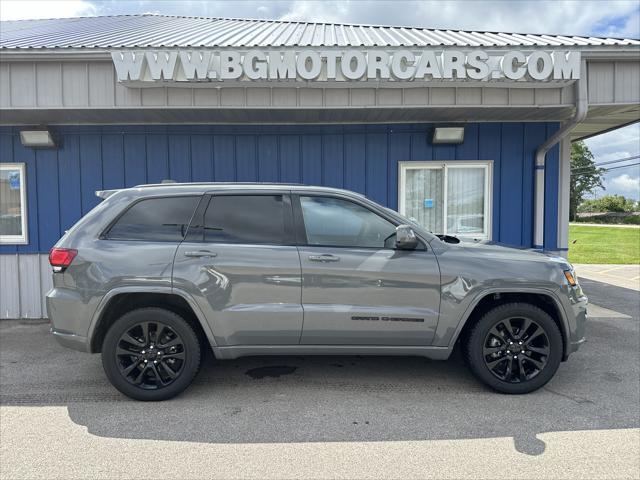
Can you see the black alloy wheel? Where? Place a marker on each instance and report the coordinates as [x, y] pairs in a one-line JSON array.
[[514, 348], [151, 354]]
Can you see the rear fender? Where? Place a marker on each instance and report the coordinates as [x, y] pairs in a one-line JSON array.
[[97, 316]]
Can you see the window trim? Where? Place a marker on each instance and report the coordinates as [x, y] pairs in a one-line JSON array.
[[24, 238], [301, 229], [104, 235], [445, 165]]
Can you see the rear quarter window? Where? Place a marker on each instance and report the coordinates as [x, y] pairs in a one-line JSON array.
[[164, 219]]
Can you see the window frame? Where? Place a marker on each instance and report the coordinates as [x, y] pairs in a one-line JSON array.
[[24, 238], [104, 235], [301, 231], [445, 165], [196, 231]]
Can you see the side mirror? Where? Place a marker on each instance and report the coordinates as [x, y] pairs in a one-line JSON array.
[[406, 238]]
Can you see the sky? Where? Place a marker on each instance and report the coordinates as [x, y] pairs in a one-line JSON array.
[[613, 18], [618, 144]]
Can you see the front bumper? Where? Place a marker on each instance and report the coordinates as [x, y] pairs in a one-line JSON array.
[[578, 322]]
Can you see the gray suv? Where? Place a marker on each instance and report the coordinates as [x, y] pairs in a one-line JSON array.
[[157, 273]]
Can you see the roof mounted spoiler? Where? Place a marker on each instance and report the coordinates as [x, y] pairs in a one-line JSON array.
[[104, 194]]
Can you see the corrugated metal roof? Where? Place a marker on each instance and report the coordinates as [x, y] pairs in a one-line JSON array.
[[154, 31]]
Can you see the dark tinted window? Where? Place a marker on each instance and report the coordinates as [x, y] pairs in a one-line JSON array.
[[155, 219], [335, 222], [245, 219]]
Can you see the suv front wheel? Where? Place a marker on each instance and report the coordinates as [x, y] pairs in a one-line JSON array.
[[514, 348], [151, 354]]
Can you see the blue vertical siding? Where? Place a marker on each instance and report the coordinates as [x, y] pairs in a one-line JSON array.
[[113, 169], [156, 148], [135, 158], [364, 158], [511, 174], [70, 183], [489, 148], [399, 148], [224, 148], [333, 160], [355, 163], [268, 158], [376, 166], [48, 203]]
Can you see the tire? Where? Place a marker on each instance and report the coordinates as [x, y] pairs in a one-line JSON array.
[[525, 364], [145, 367]]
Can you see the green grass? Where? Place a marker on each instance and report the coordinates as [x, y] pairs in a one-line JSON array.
[[604, 244]]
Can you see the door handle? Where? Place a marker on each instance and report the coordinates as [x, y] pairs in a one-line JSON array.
[[200, 253], [325, 257]]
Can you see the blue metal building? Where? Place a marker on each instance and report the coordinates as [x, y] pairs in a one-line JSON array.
[[115, 123]]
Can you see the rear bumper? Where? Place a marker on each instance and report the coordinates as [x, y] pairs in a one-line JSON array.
[[70, 315], [70, 340]]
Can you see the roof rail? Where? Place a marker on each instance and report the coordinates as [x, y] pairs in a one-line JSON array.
[[165, 183], [104, 194]]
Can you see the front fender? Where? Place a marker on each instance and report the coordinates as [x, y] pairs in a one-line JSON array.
[[449, 331]]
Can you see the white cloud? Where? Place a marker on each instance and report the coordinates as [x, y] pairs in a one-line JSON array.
[[32, 9], [614, 18], [629, 27], [626, 183], [625, 141], [332, 12]]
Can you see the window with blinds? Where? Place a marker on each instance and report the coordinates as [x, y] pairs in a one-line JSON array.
[[452, 198]]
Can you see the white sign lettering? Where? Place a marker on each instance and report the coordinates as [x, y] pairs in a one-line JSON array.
[[343, 66]]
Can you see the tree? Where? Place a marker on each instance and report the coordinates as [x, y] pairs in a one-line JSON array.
[[585, 176], [608, 203]]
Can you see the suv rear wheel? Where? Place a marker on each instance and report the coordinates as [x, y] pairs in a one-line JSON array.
[[514, 348], [151, 354]]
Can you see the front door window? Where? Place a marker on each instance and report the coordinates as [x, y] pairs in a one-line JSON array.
[[330, 221]]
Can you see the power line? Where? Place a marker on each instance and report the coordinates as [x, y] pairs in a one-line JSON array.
[[579, 171], [618, 160], [593, 169], [621, 166], [589, 167]]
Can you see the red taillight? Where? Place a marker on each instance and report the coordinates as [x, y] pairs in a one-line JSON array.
[[61, 258]]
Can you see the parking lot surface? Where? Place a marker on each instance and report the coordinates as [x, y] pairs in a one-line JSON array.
[[317, 417], [625, 276]]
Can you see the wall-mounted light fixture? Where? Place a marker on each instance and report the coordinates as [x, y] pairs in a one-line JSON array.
[[448, 135], [41, 138]]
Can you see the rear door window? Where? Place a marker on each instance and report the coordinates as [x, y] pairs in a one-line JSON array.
[[247, 219], [163, 219]]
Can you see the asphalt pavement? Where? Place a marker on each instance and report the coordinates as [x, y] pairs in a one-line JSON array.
[[320, 417]]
